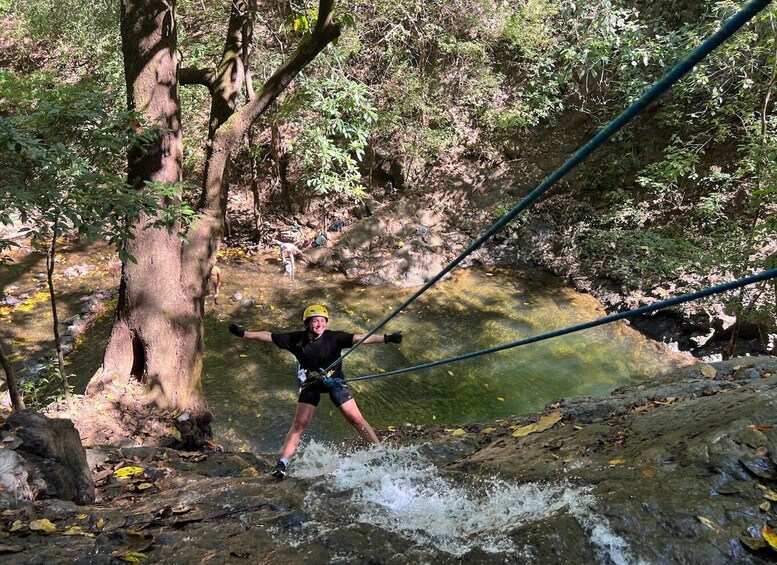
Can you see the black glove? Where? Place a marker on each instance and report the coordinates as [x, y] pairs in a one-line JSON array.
[[396, 337], [237, 330]]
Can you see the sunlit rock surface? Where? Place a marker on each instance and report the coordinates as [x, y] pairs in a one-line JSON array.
[[677, 470]]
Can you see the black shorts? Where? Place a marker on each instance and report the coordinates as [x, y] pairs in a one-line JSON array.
[[312, 389]]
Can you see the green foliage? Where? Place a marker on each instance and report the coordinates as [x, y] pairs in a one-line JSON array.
[[334, 115], [62, 157], [83, 36], [42, 390], [642, 258]]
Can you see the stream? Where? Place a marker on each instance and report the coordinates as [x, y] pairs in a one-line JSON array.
[[251, 387]]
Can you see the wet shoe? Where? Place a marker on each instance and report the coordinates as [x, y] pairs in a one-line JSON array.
[[280, 470]]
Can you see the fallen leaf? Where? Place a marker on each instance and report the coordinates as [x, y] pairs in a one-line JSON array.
[[544, 423], [458, 432], [708, 371], [710, 524], [488, 430], [450, 373], [755, 544], [770, 536], [132, 557], [77, 531], [616, 461], [765, 506], [42, 525], [648, 473], [17, 526], [667, 401], [760, 468], [768, 493], [243, 355], [127, 472], [500, 399], [761, 427]]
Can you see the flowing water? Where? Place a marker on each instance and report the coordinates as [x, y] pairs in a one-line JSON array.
[[401, 491], [251, 386]]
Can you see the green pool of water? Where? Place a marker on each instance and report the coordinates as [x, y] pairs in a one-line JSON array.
[[251, 387]]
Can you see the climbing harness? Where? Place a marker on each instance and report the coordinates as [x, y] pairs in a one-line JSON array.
[[728, 29]]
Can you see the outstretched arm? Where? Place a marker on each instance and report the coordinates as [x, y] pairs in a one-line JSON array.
[[396, 337], [261, 335]]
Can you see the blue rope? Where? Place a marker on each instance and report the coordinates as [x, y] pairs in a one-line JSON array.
[[752, 279], [662, 85]]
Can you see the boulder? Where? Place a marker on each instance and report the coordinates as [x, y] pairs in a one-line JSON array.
[[49, 451]]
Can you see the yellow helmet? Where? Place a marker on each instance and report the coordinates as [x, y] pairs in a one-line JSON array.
[[315, 310]]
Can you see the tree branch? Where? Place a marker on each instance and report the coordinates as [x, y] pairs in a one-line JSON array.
[[202, 76]]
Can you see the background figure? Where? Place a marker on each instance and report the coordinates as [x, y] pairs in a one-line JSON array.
[[288, 253], [214, 283]]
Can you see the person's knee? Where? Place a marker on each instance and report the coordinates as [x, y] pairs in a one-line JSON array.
[[356, 420]]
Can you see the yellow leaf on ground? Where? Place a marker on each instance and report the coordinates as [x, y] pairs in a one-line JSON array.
[[765, 506], [616, 461], [544, 423], [77, 531], [768, 493], [548, 421], [132, 557], [488, 430], [708, 371], [710, 524], [500, 399], [42, 525], [243, 355], [126, 472], [770, 536], [458, 432], [16, 526], [525, 430]]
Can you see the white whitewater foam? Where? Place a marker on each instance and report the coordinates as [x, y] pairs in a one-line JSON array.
[[398, 489]]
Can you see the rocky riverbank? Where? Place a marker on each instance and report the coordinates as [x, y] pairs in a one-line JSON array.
[[681, 469]]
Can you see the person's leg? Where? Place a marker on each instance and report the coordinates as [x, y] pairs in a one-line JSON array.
[[301, 420], [353, 416]]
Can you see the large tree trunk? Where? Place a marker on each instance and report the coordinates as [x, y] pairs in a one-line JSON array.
[[157, 335]]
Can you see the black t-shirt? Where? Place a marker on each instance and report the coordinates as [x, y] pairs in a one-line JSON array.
[[314, 355]]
